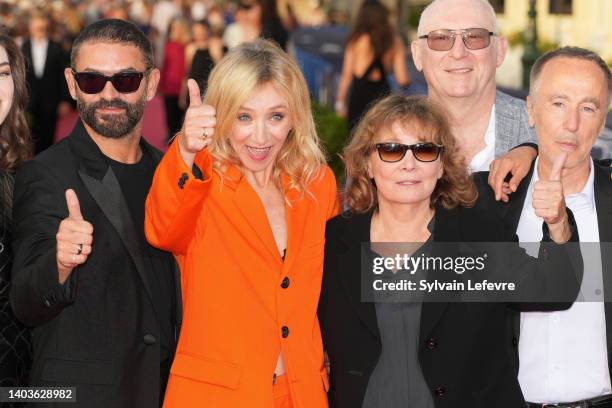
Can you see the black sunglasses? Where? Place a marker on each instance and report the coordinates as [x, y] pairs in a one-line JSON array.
[[94, 82], [392, 152], [473, 38]]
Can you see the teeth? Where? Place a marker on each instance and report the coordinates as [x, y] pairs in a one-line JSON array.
[[258, 152]]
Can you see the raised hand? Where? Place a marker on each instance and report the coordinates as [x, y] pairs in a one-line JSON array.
[[198, 127], [74, 238], [549, 201]]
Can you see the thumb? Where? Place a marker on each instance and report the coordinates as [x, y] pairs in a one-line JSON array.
[[74, 209], [557, 168], [195, 99]]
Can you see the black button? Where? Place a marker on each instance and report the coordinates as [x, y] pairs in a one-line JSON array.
[[544, 254], [514, 341], [47, 302], [285, 332], [182, 180], [431, 344], [285, 283], [149, 339], [439, 391]]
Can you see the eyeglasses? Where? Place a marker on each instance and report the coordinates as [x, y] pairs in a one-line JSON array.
[[393, 152], [93, 82], [473, 38]]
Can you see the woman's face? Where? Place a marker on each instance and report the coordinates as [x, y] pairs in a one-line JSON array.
[[407, 181], [7, 87], [260, 128], [199, 32]]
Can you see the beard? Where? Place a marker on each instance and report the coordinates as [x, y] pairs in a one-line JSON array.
[[112, 126]]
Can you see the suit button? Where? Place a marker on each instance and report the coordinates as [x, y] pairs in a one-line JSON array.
[[285, 283], [47, 302], [431, 344], [545, 254], [149, 339], [182, 180], [439, 391], [285, 332], [514, 341]]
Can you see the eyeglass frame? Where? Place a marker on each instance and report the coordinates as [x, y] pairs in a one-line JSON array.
[[109, 78], [410, 147], [453, 34]]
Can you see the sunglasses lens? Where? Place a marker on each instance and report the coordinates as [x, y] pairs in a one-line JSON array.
[[477, 38], [391, 152], [440, 40], [128, 82], [426, 152], [90, 83]]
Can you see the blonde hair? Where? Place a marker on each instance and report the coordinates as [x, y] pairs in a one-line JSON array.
[[454, 188], [234, 78]]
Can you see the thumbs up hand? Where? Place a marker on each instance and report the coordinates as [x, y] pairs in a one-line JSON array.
[[549, 202], [74, 238], [198, 127]]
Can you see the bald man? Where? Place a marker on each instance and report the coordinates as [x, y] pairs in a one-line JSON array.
[[458, 49]]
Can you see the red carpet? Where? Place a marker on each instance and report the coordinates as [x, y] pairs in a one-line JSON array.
[[154, 129]]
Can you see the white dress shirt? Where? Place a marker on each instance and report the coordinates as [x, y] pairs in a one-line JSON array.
[[39, 56], [563, 355], [482, 160]]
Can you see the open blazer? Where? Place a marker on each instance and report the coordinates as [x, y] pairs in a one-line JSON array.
[[243, 304]]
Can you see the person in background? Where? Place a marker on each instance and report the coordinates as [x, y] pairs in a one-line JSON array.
[[241, 199], [373, 49], [200, 57], [173, 72], [16, 148], [45, 63]]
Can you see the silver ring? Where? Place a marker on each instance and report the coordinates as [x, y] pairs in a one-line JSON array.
[[79, 249]]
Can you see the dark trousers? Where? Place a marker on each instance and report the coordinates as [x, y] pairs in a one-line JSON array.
[[174, 115]]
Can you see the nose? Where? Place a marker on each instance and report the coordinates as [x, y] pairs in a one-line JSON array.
[[260, 133], [408, 162], [109, 92], [458, 50], [571, 121]]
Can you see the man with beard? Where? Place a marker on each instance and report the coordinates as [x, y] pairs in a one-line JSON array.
[[102, 303]]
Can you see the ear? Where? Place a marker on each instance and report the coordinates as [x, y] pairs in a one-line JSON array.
[[71, 82], [416, 55], [152, 82], [502, 47], [530, 111]]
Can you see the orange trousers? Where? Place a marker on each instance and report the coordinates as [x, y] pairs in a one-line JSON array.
[[282, 393]]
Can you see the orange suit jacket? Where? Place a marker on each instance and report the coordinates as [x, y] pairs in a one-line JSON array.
[[242, 304]]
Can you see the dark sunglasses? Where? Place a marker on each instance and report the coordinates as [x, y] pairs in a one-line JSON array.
[[473, 38], [393, 152], [93, 82]]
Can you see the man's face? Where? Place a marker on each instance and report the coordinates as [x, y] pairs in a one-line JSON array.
[[110, 113], [568, 109], [38, 28], [458, 72]]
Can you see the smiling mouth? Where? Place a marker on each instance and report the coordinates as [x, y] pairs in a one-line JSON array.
[[408, 183], [459, 70], [258, 153]]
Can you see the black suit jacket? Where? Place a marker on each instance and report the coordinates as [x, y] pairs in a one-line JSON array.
[[98, 331], [511, 212], [465, 350], [49, 90]]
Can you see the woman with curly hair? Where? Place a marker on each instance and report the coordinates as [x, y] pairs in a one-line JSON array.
[[15, 147], [410, 195]]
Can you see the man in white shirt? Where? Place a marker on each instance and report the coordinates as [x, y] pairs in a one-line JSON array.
[[564, 357], [458, 50]]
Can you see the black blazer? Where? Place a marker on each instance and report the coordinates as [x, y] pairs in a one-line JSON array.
[[47, 92], [98, 331], [465, 348], [511, 212]]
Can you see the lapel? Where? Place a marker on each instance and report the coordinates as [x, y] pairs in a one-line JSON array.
[[296, 210], [100, 180], [603, 205], [354, 234]]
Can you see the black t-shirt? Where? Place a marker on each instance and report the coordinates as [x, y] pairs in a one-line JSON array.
[[135, 181]]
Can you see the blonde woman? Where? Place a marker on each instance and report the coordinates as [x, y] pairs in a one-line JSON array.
[[241, 198]]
